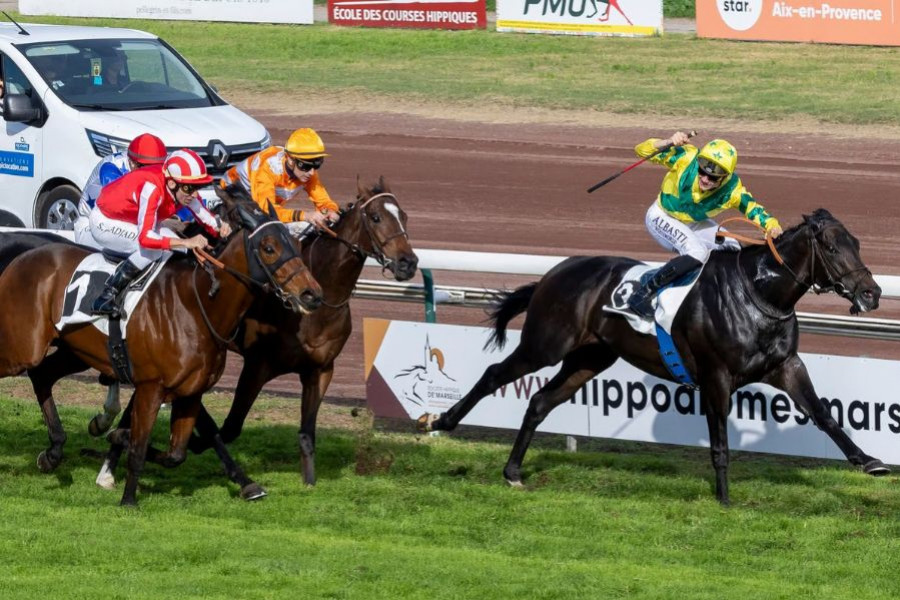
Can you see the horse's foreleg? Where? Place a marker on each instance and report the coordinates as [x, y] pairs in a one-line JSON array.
[[184, 415], [793, 378], [254, 376], [43, 377], [314, 385], [118, 442], [506, 371], [148, 397], [715, 398], [208, 434], [579, 367], [101, 422]]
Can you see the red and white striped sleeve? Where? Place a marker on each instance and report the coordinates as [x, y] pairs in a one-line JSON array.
[[148, 200]]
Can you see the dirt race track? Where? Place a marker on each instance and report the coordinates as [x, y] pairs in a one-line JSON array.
[[521, 188]]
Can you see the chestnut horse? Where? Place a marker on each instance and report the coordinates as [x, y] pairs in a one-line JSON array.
[[176, 334], [737, 326]]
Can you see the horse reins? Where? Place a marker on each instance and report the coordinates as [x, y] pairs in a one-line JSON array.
[[378, 253], [836, 285], [205, 259]]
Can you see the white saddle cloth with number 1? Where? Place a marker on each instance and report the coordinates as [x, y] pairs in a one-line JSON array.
[[88, 282]]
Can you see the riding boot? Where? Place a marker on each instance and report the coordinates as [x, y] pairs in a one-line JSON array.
[[641, 301], [106, 304]]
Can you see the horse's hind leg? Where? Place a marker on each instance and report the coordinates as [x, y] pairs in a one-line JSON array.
[[516, 365], [578, 367], [793, 378], [118, 443], [101, 422], [43, 377]]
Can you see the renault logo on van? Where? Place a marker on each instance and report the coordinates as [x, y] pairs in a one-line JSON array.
[[218, 153]]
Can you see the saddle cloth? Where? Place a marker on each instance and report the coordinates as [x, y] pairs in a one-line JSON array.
[[88, 282], [667, 301]]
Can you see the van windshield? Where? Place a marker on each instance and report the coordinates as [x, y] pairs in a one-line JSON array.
[[109, 74]]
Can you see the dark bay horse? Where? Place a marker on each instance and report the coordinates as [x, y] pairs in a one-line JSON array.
[[175, 334], [737, 326], [274, 341]]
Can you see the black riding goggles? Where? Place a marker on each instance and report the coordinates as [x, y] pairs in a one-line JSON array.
[[308, 165], [188, 188], [712, 171]]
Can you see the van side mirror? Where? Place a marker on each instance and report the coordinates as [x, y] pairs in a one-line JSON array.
[[18, 108]]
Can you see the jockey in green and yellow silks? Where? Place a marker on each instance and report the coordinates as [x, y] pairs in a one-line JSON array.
[[699, 185]]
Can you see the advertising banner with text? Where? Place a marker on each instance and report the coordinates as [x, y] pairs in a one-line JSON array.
[[870, 22], [240, 11], [414, 368], [421, 14], [581, 17]]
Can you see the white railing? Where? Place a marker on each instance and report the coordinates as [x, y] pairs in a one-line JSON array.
[[519, 264]]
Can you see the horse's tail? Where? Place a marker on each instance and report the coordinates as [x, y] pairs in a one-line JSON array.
[[508, 306]]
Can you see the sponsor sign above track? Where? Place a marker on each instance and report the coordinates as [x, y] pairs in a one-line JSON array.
[[421, 14], [414, 368], [870, 22], [243, 11], [581, 17]]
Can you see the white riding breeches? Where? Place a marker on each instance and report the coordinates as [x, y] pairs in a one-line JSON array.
[[694, 239], [122, 236], [83, 235]]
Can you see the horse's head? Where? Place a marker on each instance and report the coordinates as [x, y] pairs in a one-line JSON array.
[[273, 256], [382, 229], [836, 263]]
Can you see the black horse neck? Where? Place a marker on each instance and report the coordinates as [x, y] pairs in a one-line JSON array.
[[774, 285], [336, 263]]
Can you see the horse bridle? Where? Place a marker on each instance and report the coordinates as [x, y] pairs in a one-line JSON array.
[[836, 284], [378, 245], [207, 261]]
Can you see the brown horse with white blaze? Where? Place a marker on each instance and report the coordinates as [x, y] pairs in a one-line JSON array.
[[274, 341], [175, 334]]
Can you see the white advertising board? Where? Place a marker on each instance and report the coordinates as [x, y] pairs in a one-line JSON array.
[[244, 11], [413, 368], [581, 17]]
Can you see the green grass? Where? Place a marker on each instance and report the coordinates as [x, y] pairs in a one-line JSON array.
[[431, 518], [674, 75]]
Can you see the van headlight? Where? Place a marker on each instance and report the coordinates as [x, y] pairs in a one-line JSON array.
[[106, 144]]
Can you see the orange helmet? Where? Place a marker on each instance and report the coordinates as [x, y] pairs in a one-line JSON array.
[[305, 144], [147, 149], [186, 166]]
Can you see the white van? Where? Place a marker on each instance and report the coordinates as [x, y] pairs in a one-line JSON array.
[[74, 94]]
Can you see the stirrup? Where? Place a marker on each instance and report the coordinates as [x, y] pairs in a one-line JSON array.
[[107, 308]]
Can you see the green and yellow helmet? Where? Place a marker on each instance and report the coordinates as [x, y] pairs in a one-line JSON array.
[[718, 159]]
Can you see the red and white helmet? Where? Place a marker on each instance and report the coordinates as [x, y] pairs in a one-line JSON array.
[[186, 166], [147, 149]]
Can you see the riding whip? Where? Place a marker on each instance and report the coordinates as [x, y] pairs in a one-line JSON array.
[[597, 186]]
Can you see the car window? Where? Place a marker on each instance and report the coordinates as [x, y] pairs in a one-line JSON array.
[[110, 74], [14, 80]]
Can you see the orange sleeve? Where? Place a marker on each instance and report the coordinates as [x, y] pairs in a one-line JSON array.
[[262, 183], [319, 195]]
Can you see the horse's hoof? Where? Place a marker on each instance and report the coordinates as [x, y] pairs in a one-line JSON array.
[[253, 491], [515, 483], [425, 423], [45, 463], [95, 428], [106, 481], [876, 468]]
